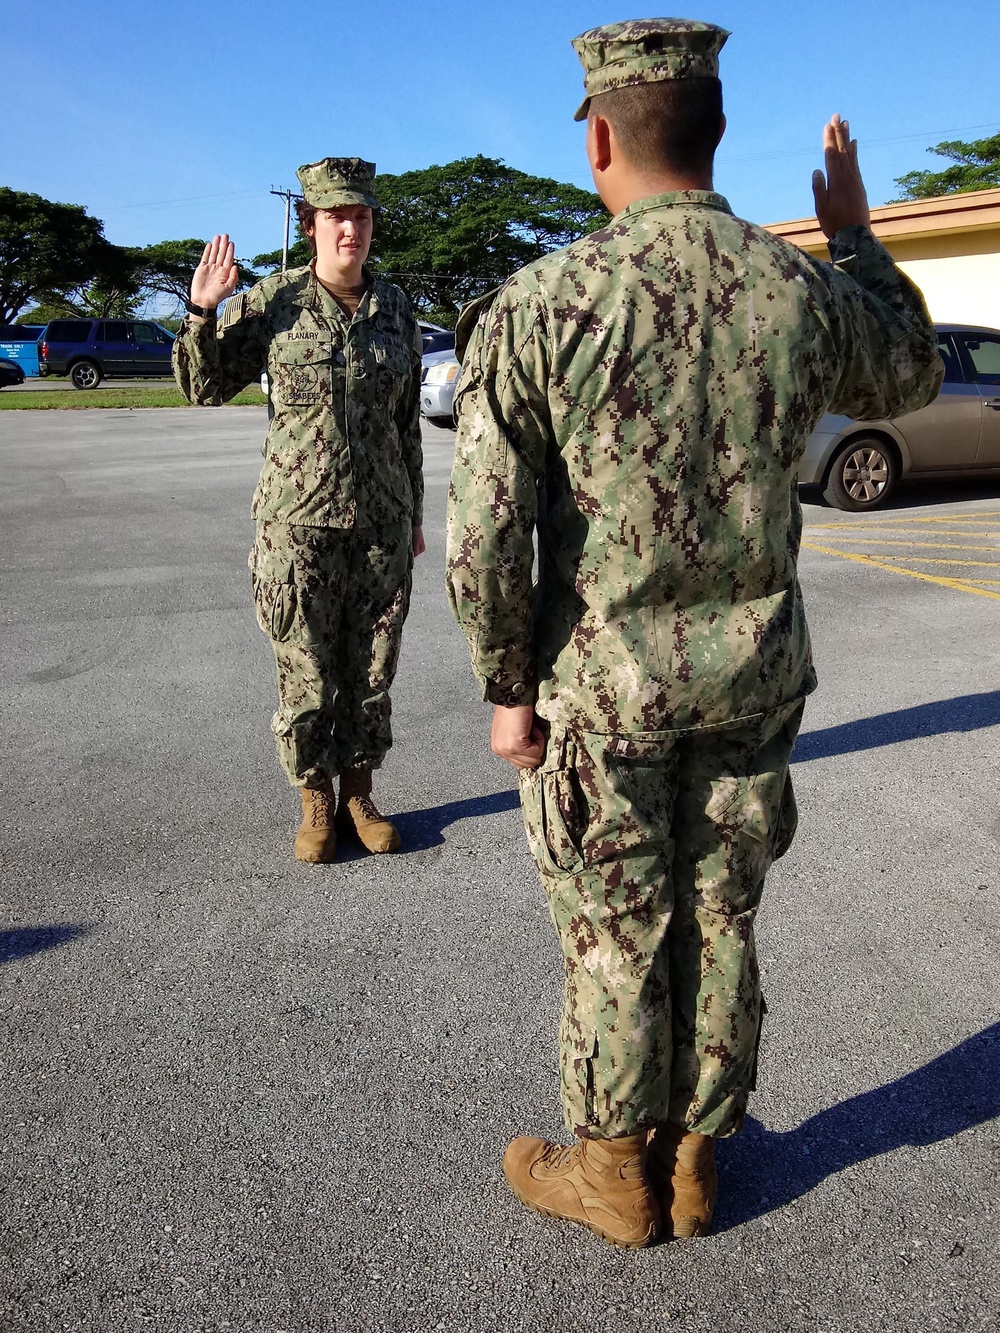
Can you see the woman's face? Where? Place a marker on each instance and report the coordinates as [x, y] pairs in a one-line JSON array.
[[343, 235]]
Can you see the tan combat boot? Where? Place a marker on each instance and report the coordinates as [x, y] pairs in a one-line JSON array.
[[357, 813], [681, 1167], [316, 839], [599, 1183]]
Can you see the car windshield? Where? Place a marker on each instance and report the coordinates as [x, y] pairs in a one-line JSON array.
[[438, 340]]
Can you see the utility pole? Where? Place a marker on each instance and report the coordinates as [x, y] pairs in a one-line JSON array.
[[288, 196]]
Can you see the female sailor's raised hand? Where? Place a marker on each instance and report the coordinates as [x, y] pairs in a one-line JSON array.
[[217, 276]]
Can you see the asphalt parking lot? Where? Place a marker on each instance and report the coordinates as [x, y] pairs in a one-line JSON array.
[[243, 1093]]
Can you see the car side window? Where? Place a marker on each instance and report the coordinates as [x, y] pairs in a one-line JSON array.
[[68, 331], [982, 353], [146, 333], [114, 331], [952, 364]]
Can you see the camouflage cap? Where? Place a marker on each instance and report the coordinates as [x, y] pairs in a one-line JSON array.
[[646, 51], [336, 181]]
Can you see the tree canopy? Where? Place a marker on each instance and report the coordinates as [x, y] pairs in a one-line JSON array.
[[127, 277], [48, 251], [446, 234], [976, 166]]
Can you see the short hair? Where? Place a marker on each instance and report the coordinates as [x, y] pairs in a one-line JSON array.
[[306, 214], [673, 123]]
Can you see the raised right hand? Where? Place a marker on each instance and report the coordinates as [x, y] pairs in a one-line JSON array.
[[217, 276], [840, 194]]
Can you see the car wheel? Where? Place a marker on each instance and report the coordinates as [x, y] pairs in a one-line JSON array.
[[86, 375], [444, 423], [863, 475]]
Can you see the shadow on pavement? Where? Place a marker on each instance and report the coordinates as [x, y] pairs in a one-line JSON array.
[[421, 829], [968, 712], [760, 1171], [22, 941], [914, 493]]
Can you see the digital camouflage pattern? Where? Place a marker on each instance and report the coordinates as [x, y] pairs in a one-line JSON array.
[[640, 401], [343, 446], [653, 851], [618, 55], [333, 605], [644, 396], [339, 494], [336, 182]]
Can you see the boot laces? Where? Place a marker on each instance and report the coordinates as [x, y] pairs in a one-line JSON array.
[[556, 1155], [320, 808], [368, 809]]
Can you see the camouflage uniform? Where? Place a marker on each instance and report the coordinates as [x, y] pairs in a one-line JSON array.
[[642, 399], [339, 494]]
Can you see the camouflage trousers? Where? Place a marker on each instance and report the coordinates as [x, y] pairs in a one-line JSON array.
[[653, 851], [332, 602]]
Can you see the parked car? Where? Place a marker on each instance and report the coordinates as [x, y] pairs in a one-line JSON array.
[[858, 463], [435, 338], [437, 387], [88, 350], [11, 374]]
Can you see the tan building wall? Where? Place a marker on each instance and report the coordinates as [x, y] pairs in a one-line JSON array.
[[949, 246]]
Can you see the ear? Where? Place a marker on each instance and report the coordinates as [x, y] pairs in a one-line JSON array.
[[722, 129], [599, 137]]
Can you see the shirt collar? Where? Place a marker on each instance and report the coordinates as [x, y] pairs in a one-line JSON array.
[[318, 298], [675, 199]]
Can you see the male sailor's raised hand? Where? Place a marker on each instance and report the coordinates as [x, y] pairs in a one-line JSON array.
[[840, 193]]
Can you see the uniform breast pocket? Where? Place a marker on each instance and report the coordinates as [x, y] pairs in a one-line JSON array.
[[389, 362], [300, 372]]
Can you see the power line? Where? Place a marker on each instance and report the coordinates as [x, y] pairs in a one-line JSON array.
[[863, 144], [191, 199]]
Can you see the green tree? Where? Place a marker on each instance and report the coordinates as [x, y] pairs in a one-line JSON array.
[[48, 251], [976, 167], [165, 269], [112, 292], [449, 233]]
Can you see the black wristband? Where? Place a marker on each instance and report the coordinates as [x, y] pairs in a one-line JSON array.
[[203, 312]]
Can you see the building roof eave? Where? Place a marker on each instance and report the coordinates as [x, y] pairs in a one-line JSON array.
[[943, 215]]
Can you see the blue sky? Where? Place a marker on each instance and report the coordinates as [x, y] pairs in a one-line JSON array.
[[173, 119]]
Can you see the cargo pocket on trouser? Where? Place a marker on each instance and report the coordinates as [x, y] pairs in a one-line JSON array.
[[552, 817], [787, 822], [551, 811], [788, 811], [579, 1082], [274, 594]]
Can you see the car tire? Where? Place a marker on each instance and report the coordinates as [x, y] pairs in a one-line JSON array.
[[862, 475], [86, 375], [444, 423]]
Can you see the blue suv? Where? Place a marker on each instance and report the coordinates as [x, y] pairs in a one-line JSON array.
[[89, 350]]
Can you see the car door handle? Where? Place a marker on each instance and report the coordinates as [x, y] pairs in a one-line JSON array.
[[994, 403]]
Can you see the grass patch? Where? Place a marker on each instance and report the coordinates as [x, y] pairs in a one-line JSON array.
[[69, 400]]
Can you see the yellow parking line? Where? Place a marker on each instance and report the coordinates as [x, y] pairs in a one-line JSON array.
[[848, 530], [910, 573], [934, 560], [927, 546], [978, 517]]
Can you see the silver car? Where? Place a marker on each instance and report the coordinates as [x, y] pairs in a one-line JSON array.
[[858, 463], [437, 388]]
